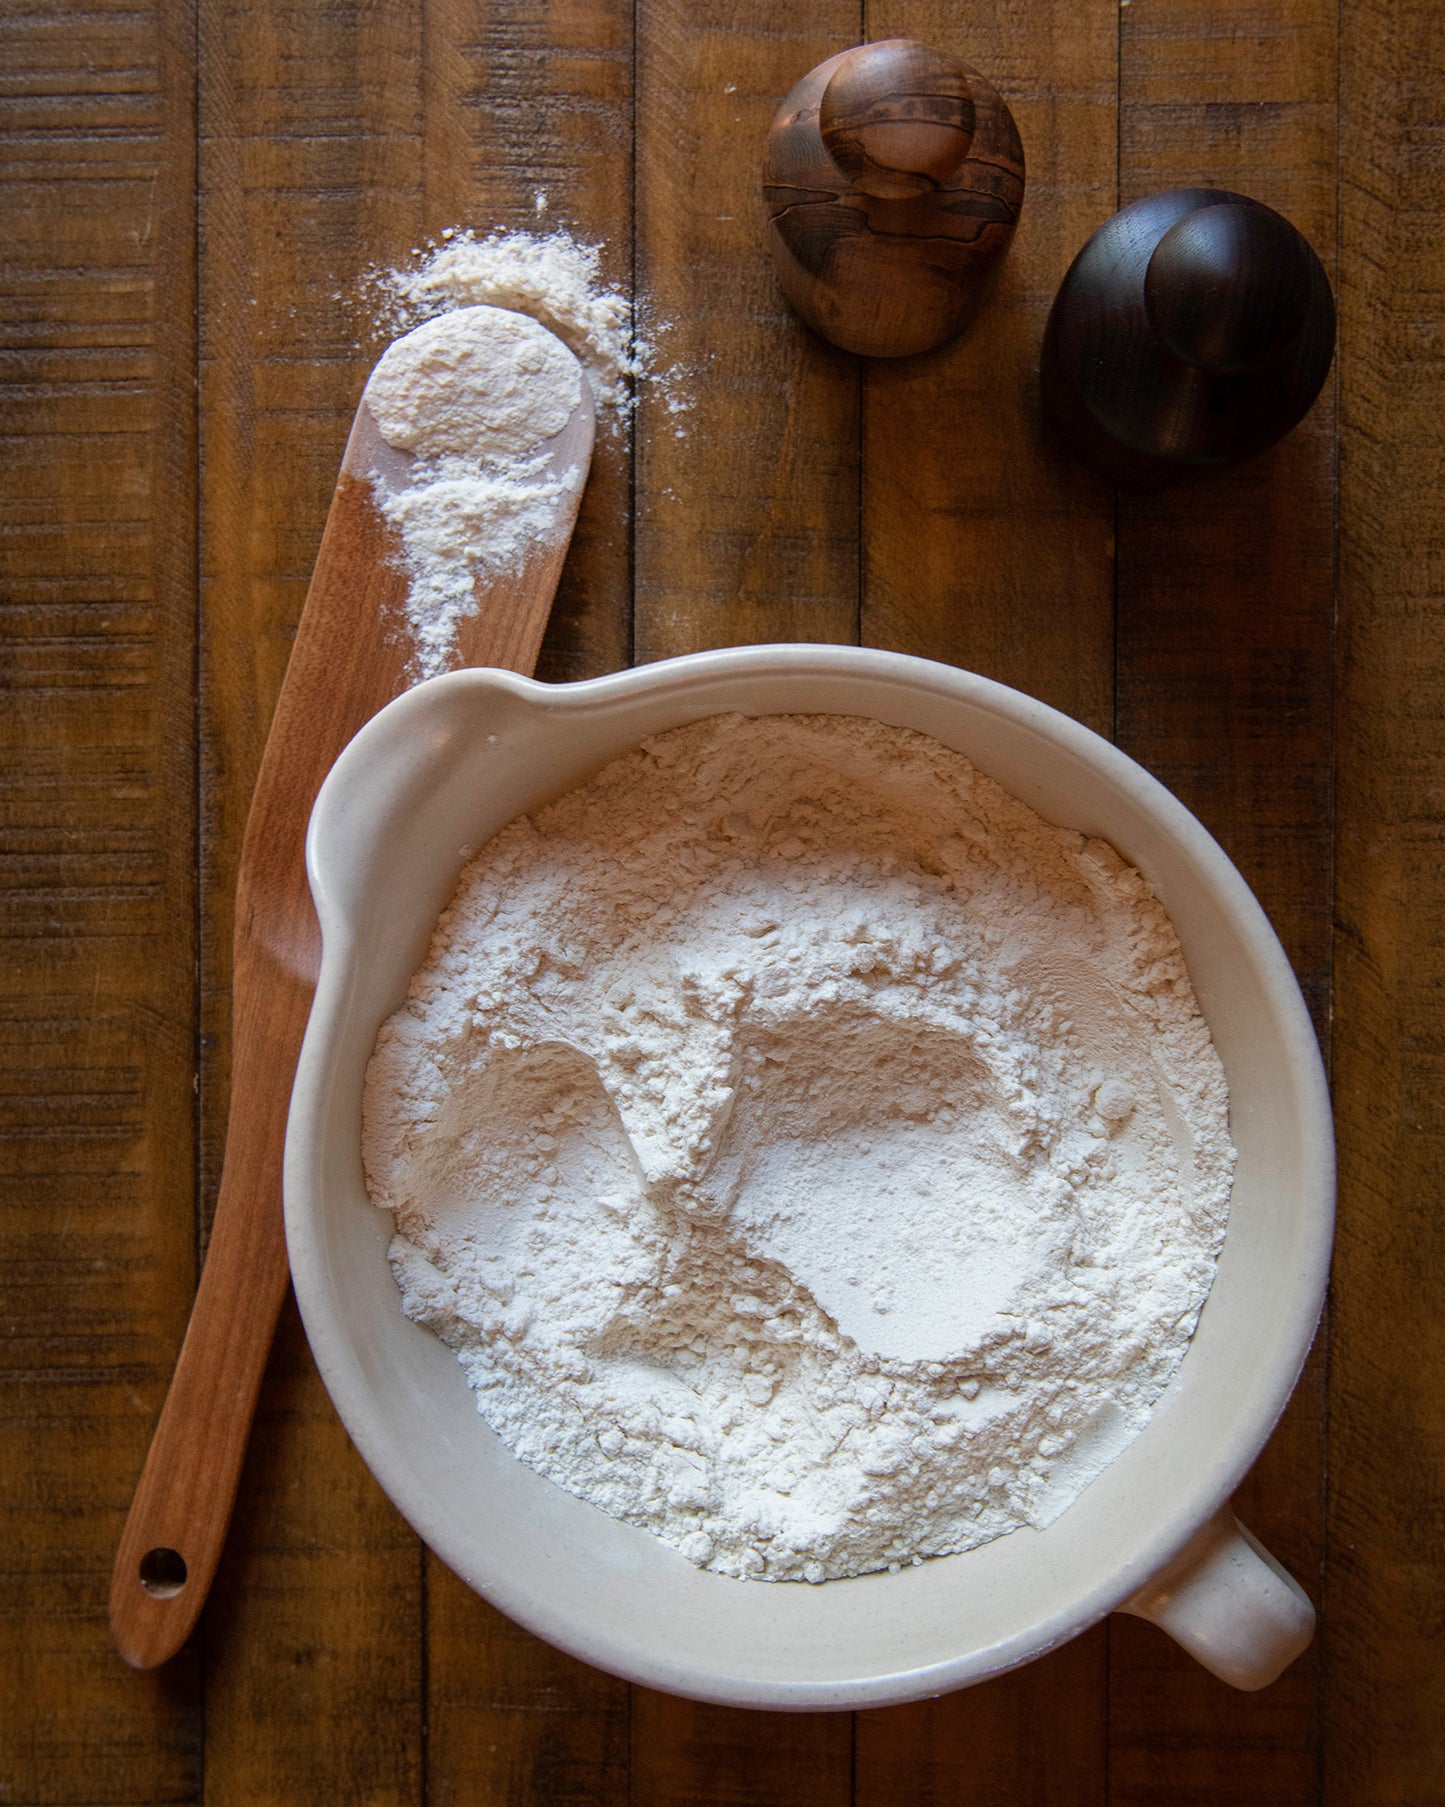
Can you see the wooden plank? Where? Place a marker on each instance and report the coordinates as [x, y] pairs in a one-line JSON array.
[[987, 547], [97, 851], [1225, 602], [313, 1637], [747, 524], [528, 101], [535, 97], [1384, 1737], [1031, 1739], [511, 1719], [747, 531], [688, 1755], [310, 167]]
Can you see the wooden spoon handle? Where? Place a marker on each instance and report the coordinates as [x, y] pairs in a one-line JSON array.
[[345, 667], [177, 1523], [334, 682]]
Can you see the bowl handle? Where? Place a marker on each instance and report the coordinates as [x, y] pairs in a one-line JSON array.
[[1227, 1602]]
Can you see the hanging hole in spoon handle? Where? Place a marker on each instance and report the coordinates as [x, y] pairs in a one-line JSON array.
[[163, 1573]]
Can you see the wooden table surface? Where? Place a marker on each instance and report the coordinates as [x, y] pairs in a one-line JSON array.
[[187, 192]]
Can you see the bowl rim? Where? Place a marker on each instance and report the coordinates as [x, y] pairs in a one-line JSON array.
[[685, 675]]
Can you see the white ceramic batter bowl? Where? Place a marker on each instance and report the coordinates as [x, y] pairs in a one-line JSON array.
[[437, 773]]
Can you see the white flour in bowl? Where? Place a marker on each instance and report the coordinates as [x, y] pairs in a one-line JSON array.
[[811, 1154]]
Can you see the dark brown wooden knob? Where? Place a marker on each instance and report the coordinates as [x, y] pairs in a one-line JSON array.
[[1228, 288], [893, 178], [1193, 330]]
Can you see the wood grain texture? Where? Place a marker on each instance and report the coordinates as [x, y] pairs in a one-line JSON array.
[[336, 1663], [97, 842], [956, 455], [688, 1755], [892, 179], [1035, 1738], [747, 522], [512, 1720], [1224, 677], [313, 1638], [1193, 330], [1384, 1598]]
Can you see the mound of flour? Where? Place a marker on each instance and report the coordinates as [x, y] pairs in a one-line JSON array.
[[551, 276], [474, 396], [811, 1155]]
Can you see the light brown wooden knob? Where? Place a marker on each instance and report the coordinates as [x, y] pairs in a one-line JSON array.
[[897, 119], [893, 177]]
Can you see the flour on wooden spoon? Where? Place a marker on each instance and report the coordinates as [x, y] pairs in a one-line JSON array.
[[474, 396]]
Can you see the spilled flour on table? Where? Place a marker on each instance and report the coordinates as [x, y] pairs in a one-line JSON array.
[[812, 1156]]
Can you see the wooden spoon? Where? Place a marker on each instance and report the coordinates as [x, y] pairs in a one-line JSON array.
[[349, 660]]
